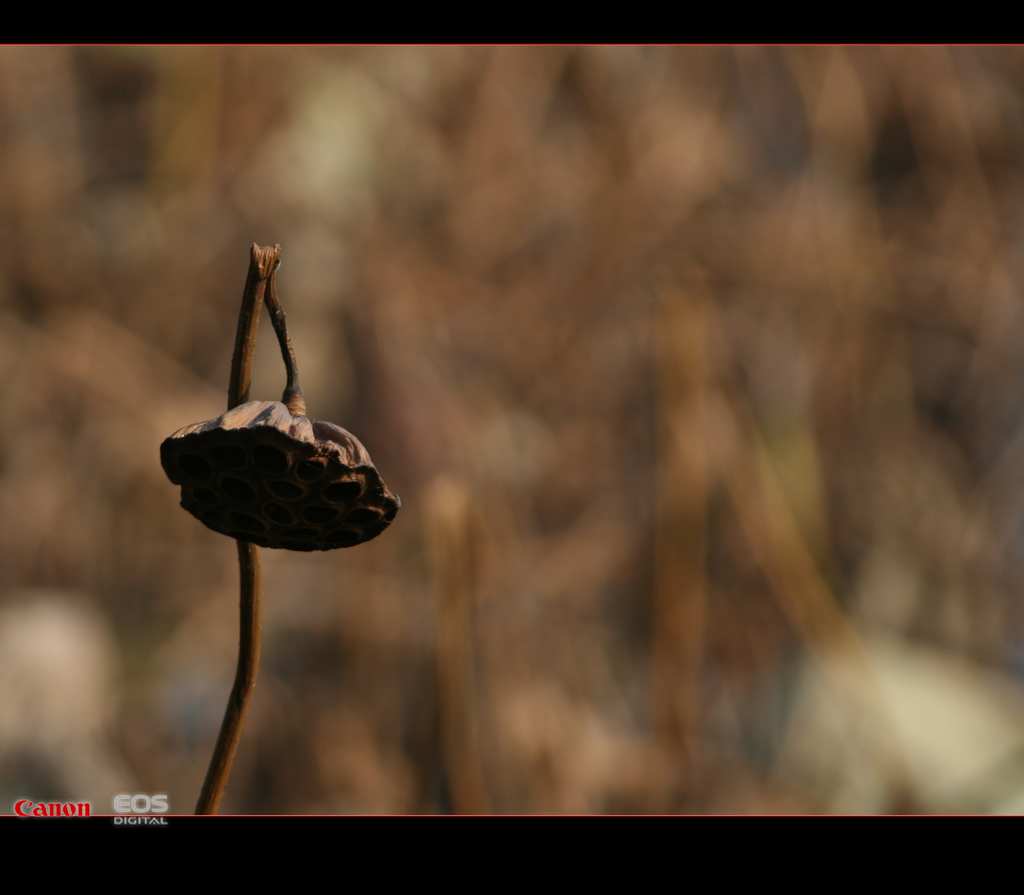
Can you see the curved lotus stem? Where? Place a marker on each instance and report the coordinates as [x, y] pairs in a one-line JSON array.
[[262, 264]]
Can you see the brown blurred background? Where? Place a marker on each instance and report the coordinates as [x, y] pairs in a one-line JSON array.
[[699, 371]]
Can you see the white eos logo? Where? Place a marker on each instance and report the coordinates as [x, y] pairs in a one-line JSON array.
[[140, 803]]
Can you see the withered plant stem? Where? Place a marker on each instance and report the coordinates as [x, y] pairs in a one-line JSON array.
[[292, 396], [262, 265], [453, 537]]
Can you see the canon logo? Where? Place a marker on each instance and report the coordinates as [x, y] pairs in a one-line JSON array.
[[28, 808]]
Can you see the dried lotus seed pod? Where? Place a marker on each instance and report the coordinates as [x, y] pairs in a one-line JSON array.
[[264, 474]]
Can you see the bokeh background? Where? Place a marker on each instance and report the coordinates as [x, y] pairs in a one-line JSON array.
[[700, 372]]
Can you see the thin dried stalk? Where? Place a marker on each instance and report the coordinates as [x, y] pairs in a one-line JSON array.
[[452, 536], [292, 396], [262, 265], [806, 598], [682, 479], [245, 680]]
